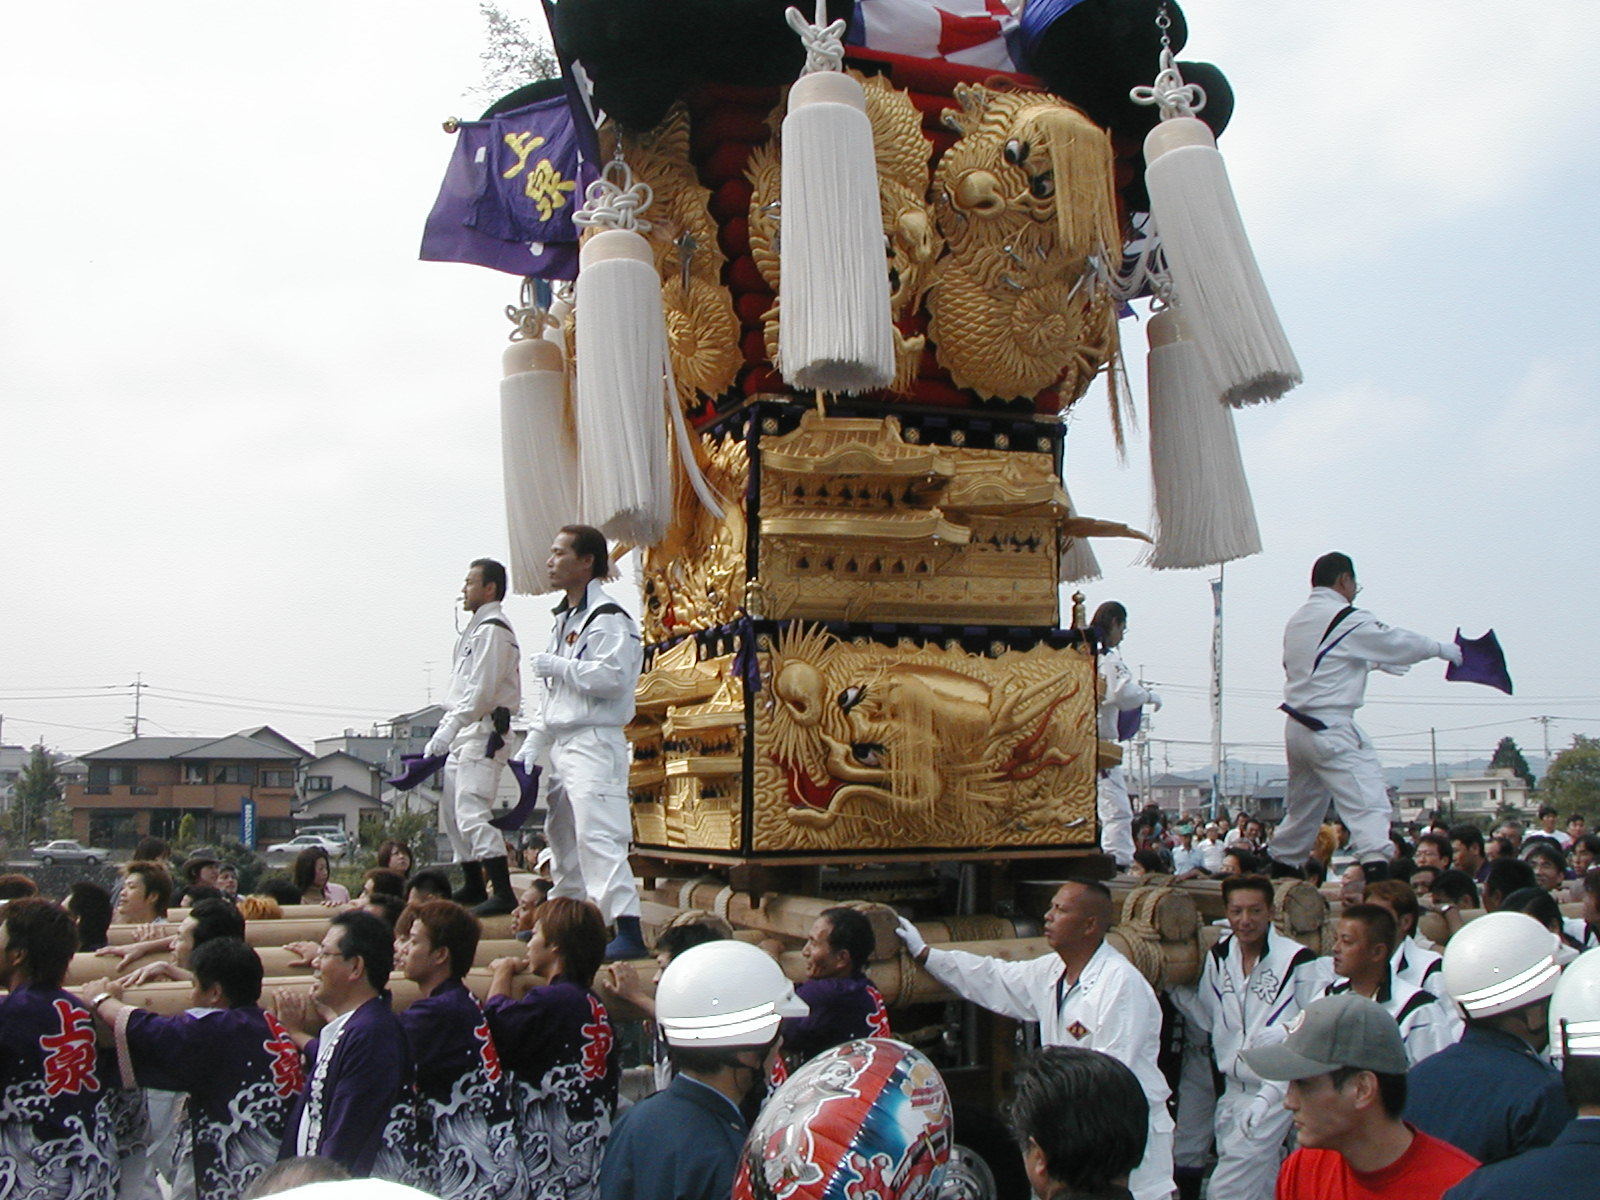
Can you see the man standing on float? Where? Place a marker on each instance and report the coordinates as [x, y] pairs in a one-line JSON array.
[[1329, 647], [589, 672], [1119, 692]]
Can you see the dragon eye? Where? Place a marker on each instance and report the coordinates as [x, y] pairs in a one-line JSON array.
[[1042, 186], [1016, 153], [851, 697]]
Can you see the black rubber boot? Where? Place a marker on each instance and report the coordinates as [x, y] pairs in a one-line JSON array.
[[1375, 869], [472, 891], [629, 942], [1283, 870], [504, 899]]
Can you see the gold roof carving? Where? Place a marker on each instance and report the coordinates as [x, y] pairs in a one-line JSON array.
[[853, 446]]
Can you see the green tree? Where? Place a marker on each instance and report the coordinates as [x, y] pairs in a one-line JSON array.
[[183, 840], [515, 53], [38, 805], [1572, 782], [410, 827], [1509, 755]]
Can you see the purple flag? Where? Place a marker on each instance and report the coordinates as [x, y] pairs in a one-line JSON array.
[[1482, 661], [1128, 723], [509, 193]]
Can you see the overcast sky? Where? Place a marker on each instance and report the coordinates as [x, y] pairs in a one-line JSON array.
[[251, 442]]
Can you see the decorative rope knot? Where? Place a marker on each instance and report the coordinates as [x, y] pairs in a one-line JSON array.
[[615, 200], [1174, 97], [824, 43]]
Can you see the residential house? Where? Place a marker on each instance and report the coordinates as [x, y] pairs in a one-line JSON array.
[[339, 788], [1180, 794], [1483, 793], [147, 785]]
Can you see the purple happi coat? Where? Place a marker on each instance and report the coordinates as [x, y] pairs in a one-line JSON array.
[[56, 1140], [466, 1129], [842, 1009], [241, 1072], [360, 1107], [559, 1047]]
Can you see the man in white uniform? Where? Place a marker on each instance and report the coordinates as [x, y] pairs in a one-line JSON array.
[[589, 672], [1329, 647], [1362, 950], [485, 690], [1119, 692], [1085, 995]]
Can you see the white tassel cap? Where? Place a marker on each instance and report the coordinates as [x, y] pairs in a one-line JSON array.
[[539, 458], [1204, 514], [1214, 270], [621, 347], [835, 332]]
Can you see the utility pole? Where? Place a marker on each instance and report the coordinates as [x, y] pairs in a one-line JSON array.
[[1433, 750], [1216, 692], [1545, 721], [138, 695]]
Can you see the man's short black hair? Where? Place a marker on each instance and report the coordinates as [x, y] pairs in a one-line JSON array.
[[91, 908], [850, 931], [675, 939], [491, 572], [1247, 883], [1378, 921], [1538, 904], [281, 888], [1580, 1075], [430, 881], [233, 964], [15, 886], [588, 542], [216, 918], [1391, 1088], [1328, 569], [45, 934], [151, 848], [369, 938], [1507, 875], [1457, 887], [1590, 842], [389, 906], [202, 892], [1087, 1114], [1438, 841], [1467, 835]]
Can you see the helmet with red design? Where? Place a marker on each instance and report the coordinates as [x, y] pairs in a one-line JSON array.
[[868, 1119]]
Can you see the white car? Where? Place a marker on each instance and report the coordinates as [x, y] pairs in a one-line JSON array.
[[68, 851], [306, 841]]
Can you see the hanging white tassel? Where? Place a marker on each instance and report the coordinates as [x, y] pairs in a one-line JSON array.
[[622, 362], [1214, 271], [539, 454], [1204, 514], [835, 332]]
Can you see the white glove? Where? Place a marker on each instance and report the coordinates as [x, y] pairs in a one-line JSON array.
[[913, 939], [1260, 1110], [543, 665], [1154, 702], [1450, 652], [438, 746]]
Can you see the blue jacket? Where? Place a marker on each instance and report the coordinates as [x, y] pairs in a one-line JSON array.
[[1568, 1168], [680, 1144], [1488, 1095]]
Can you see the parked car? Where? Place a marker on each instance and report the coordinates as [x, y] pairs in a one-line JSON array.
[[65, 850], [287, 850], [328, 833]]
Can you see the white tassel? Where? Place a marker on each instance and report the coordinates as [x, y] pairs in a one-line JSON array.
[[1214, 271], [621, 349], [539, 454], [1204, 514], [1078, 563], [835, 332]]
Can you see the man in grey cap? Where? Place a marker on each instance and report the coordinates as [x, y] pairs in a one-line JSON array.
[[1346, 1065]]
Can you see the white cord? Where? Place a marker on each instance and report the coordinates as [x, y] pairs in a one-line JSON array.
[[615, 203], [824, 44], [1174, 97]]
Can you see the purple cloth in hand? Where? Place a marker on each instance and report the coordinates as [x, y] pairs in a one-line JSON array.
[[1128, 723], [416, 769], [528, 797], [1482, 661]]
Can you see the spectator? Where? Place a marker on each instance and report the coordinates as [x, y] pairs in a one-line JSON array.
[[1549, 866], [311, 871], [395, 856], [59, 1142], [1346, 1069], [1589, 933], [1585, 853], [153, 849], [17, 887], [1238, 861], [842, 1002], [1187, 861], [1491, 1094], [1576, 828], [281, 888], [1211, 849], [238, 1066], [1316, 871], [468, 1137], [228, 881], [1499, 847], [429, 883], [90, 906], [383, 880], [1548, 816], [684, 1143], [1351, 884], [199, 871], [527, 909], [1150, 860], [558, 1044], [1433, 850], [1512, 832], [385, 907], [1079, 1117], [357, 1106], [1501, 877], [1467, 852], [1422, 881], [146, 893], [1453, 887]]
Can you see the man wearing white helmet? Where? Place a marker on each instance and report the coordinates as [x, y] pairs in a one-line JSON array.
[[719, 1006], [1570, 1166], [1491, 1094]]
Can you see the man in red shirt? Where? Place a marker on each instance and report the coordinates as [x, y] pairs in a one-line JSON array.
[[1346, 1065]]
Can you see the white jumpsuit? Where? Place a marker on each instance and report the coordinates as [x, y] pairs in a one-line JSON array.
[[1122, 692], [1111, 1009], [590, 671], [1325, 668], [484, 676]]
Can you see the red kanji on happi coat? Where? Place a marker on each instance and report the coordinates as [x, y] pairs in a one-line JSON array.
[[597, 1041], [70, 1058], [288, 1068], [489, 1055]]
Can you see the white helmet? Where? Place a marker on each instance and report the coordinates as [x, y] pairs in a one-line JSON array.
[[1499, 962], [1575, 1009], [724, 993]]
